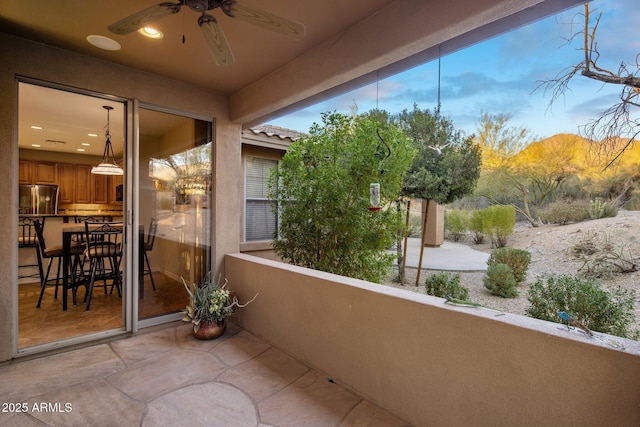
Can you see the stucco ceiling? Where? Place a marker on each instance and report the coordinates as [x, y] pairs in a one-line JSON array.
[[258, 51], [348, 43]]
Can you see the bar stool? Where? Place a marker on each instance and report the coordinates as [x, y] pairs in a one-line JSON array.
[[148, 247], [51, 253], [103, 245], [27, 238]]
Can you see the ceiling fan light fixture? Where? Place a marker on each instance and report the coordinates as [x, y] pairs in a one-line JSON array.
[[151, 32], [108, 166]]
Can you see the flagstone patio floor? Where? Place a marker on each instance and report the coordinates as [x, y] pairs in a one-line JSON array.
[[168, 378]]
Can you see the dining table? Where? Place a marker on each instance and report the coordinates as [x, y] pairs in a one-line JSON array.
[[68, 231]]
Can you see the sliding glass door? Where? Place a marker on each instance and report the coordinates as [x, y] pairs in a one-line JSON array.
[[174, 205], [162, 202]]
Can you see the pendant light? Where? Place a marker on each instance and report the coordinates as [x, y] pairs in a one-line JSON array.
[[108, 166]]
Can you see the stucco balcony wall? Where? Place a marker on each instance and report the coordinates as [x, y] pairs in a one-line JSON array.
[[431, 363]]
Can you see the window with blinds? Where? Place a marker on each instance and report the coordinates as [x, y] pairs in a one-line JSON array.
[[259, 217]]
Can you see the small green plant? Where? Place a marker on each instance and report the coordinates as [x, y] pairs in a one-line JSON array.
[[564, 212], [456, 224], [443, 284], [599, 208], [600, 310], [517, 259], [478, 226], [500, 281], [500, 222]]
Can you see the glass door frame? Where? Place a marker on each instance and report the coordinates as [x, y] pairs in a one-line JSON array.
[[127, 306], [131, 256], [133, 216]]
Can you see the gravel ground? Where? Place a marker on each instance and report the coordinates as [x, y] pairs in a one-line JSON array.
[[551, 248]]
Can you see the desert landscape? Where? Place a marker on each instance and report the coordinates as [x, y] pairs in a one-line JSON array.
[[552, 252]]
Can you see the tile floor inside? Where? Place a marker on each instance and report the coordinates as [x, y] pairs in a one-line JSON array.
[[168, 378]]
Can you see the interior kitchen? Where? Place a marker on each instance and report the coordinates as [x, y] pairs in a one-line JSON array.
[[74, 158]]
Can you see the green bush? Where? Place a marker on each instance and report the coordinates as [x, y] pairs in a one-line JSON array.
[[565, 212], [600, 310], [517, 259], [456, 224], [633, 204], [478, 225], [500, 281], [442, 284], [500, 222], [598, 208]]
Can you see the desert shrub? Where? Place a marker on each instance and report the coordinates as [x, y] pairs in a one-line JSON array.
[[517, 259], [415, 225], [605, 311], [500, 222], [633, 204], [565, 212], [456, 224], [599, 208], [601, 257], [500, 281], [442, 284], [478, 225]]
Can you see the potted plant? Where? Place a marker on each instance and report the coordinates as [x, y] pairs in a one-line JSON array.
[[209, 307]]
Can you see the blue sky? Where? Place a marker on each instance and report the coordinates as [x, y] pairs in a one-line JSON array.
[[500, 76]]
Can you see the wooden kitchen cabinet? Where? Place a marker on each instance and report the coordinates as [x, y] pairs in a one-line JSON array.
[[83, 184], [67, 182], [45, 173], [25, 172], [100, 192], [114, 182]]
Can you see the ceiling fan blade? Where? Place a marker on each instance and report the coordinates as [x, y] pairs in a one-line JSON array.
[[144, 17], [216, 40], [293, 30]]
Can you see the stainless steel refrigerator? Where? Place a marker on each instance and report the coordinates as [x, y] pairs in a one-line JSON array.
[[38, 199]]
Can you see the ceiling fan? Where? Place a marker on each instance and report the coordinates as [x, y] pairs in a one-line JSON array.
[[209, 25]]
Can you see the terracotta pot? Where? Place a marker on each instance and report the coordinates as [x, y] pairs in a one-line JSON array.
[[209, 331]]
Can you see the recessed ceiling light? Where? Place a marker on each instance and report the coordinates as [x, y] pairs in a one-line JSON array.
[[103, 42], [151, 32], [36, 127], [93, 134], [80, 149], [86, 144], [36, 145]]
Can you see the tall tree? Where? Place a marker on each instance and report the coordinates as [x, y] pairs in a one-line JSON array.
[[447, 166], [498, 141], [322, 190]]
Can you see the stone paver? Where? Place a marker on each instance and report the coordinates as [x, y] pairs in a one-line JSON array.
[[167, 377]]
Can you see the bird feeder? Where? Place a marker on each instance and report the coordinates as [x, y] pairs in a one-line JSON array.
[[374, 197]]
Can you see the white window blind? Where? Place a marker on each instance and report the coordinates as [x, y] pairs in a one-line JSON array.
[[260, 219]]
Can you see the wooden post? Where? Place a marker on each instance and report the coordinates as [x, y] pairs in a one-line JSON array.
[[406, 239], [424, 232]]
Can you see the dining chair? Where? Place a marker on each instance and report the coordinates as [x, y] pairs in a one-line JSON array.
[[27, 238], [79, 219], [148, 247], [103, 249], [54, 252]]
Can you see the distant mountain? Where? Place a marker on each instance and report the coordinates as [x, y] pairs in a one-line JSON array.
[[584, 157]]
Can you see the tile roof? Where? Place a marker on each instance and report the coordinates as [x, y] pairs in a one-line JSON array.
[[282, 133]]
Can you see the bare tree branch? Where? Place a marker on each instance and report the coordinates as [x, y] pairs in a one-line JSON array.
[[615, 123]]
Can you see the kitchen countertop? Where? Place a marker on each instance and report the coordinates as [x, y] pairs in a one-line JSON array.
[[74, 214]]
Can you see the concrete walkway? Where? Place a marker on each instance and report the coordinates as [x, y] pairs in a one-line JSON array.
[[168, 378], [449, 257]]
